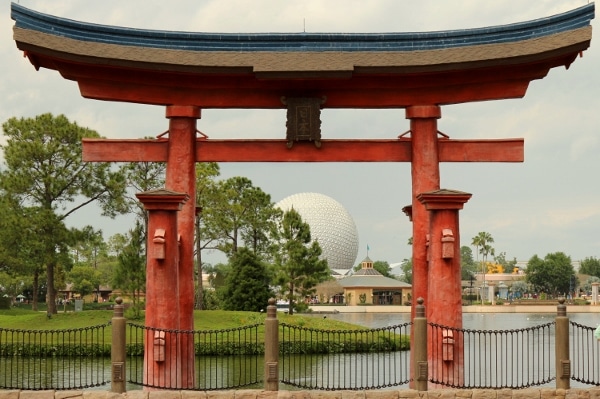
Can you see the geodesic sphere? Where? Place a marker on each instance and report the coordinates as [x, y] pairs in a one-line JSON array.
[[330, 224]]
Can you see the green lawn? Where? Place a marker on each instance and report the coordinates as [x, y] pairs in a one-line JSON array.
[[16, 318], [214, 321]]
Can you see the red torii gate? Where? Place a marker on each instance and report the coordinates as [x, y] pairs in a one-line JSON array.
[[417, 72]]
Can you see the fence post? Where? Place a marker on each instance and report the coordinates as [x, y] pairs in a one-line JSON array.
[[271, 348], [420, 371], [117, 352], [563, 363]]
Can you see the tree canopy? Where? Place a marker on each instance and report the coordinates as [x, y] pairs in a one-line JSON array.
[[44, 172], [590, 266], [237, 212], [553, 274], [468, 267], [296, 259], [130, 272], [247, 286]]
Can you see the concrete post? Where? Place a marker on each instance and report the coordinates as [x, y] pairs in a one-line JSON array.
[[563, 363], [595, 293], [419, 348], [117, 350], [271, 348]]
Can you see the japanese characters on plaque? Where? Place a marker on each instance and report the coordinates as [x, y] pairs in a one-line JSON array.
[[303, 119]]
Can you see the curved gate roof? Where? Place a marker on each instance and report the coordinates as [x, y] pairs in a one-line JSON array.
[[362, 70]]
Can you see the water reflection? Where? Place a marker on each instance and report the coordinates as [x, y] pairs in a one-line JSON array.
[[471, 321]]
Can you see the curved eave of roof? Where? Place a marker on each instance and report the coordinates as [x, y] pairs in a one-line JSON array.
[[303, 42], [555, 36]]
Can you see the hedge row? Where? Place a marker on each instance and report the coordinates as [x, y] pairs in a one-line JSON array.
[[55, 350], [209, 349]]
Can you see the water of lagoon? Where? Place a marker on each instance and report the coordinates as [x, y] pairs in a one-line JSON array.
[[471, 321]]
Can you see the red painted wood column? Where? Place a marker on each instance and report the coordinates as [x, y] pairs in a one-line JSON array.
[[445, 350], [181, 176], [425, 173], [162, 361]]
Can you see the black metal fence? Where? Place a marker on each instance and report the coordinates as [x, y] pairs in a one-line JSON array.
[[54, 359], [224, 359], [493, 359], [344, 359], [585, 354]]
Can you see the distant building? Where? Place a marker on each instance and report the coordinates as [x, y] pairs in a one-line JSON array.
[[369, 287]]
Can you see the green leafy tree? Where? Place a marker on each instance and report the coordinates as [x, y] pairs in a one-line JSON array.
[[130, 273], [296, 259], [552, 274], [407, 269], [590, 266], [468, 267], [88, 248], [381, 266], [44, 171], [87, 245], [247, 286], [206, 186], [481, 242], [238, 211], [11, 285], [85, 279], [17, 251], [141, 177]]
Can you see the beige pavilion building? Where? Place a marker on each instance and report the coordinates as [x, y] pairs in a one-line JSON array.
[[369, 287]]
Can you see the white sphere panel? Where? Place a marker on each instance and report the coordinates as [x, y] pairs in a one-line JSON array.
[[330, 225]]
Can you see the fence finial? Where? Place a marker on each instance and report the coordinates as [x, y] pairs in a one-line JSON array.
[[118, 308], [420, 308], [561, 309]]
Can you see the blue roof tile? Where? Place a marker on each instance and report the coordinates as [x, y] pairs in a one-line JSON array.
[[297, 42]]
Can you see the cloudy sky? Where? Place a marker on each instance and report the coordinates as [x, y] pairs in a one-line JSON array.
[[549, 203]]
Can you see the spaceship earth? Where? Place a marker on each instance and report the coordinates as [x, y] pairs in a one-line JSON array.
[[330, 224]]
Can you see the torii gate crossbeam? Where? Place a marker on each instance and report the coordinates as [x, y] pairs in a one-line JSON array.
[[209, 150]]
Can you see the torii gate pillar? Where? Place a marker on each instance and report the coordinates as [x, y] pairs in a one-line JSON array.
[[425, 173], [162, 356], [181, 177], [444, 281]]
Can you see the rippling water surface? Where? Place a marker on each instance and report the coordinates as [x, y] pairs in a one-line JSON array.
[[472, 321]]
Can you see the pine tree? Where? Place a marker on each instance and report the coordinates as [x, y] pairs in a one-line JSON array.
[[247, 284], [299, 268]]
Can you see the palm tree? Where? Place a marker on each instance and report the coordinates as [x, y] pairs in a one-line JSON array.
[[481, 243]]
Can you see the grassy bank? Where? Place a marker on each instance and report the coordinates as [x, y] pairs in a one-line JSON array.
[[23, 319], [218, 324]]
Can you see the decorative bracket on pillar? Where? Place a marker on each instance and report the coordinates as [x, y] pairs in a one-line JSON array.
[[303, 119], [447, 244], [158, 244]]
